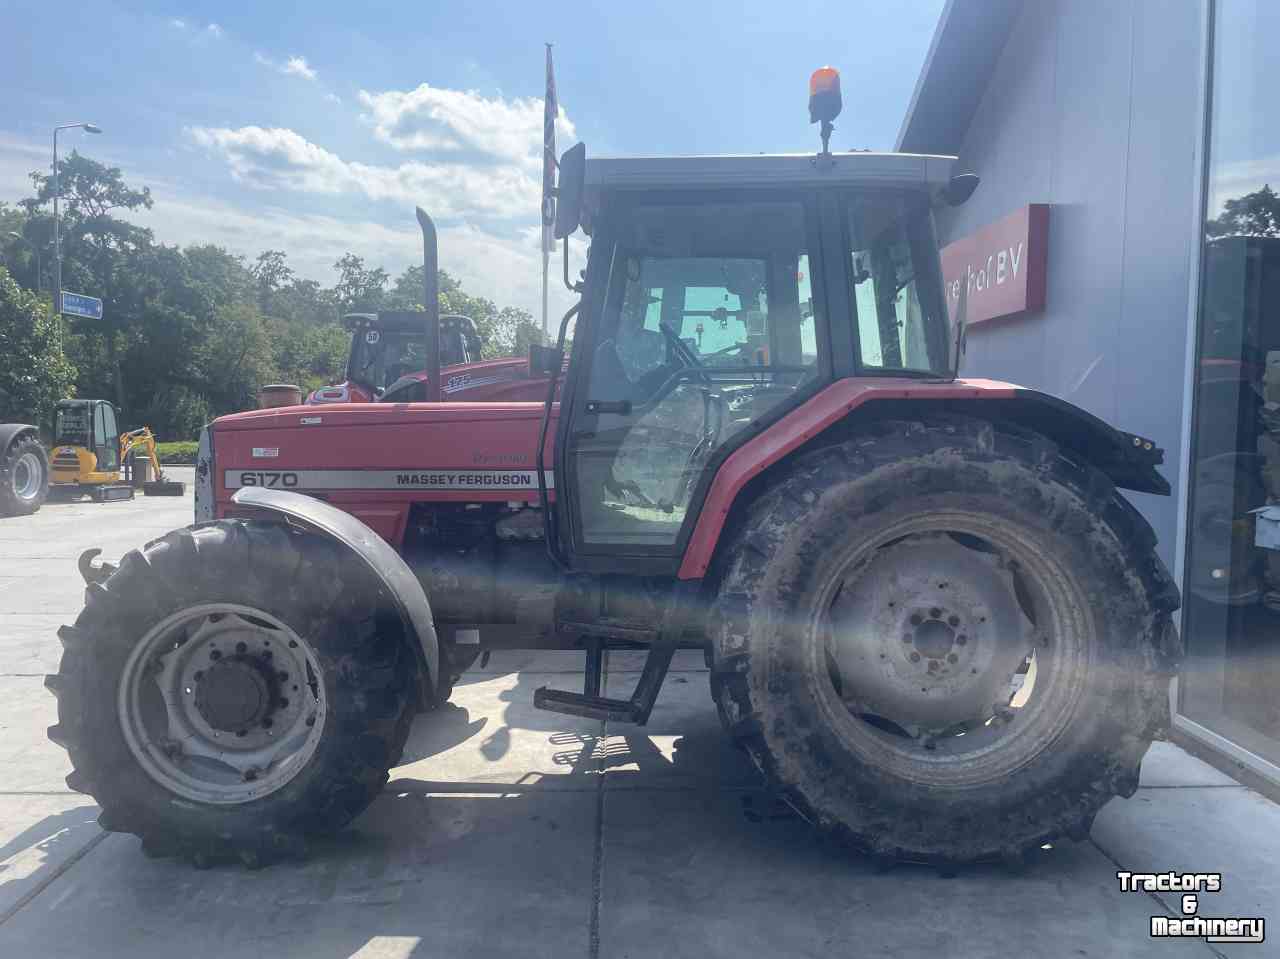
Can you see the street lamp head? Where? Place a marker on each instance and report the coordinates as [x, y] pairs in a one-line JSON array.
[[90, 128]]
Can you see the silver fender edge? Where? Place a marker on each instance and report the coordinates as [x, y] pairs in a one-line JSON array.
[[384, 561]]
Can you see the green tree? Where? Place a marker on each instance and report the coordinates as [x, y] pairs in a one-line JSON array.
[[98, 249], [1254, 214], [359, 288], [34, 374]]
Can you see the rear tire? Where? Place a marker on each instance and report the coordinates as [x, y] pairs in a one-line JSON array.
[[830, 607], [24, 477], [350, 669]]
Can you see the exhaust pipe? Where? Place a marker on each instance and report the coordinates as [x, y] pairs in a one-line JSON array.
[[431, 302]]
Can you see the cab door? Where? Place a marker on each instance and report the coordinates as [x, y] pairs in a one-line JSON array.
[[706, 321], [106, 437]]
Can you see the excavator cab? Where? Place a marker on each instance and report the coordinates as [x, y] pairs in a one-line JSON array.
[[91, 455]]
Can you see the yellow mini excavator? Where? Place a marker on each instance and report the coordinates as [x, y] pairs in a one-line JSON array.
[[90, 455]]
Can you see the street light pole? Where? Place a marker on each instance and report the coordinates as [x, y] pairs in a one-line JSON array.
[[57, 243]]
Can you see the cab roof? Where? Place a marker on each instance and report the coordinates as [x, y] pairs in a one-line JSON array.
[[856, 168]]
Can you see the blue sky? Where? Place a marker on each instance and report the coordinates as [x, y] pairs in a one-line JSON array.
[[314, 128]]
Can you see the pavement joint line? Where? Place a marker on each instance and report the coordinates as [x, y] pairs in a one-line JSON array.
[[38, 792], [45, 883], [1155, 897], [597, 857]]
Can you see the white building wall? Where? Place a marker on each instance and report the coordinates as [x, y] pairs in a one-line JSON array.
[[1092, 108]]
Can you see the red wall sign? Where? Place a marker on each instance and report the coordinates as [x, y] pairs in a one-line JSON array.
[[1003, 265]]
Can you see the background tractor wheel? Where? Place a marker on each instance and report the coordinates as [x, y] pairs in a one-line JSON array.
[[232, 688], [24, 477], [945, 641]]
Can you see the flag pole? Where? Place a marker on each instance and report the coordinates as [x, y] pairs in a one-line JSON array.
[[550, 109]]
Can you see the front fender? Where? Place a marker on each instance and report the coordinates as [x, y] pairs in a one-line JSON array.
[[11, 431], [384, 561]]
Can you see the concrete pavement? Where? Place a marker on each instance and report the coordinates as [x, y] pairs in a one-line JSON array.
[[508, 830]]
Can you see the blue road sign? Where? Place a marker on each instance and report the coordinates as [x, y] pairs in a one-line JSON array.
[[77, 304]]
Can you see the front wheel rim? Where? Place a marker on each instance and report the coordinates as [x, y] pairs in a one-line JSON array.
[[222, 704], [28, 477]]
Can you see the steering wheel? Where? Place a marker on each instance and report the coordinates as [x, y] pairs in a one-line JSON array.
[[681, 349]]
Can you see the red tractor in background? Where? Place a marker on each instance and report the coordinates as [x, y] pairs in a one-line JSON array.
[[931, 618], [388, 354]]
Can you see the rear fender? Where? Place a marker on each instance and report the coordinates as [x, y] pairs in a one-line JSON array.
[[384, 561], [1127, 459]]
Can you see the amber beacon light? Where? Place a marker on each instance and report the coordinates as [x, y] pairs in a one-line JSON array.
[[824, 101]]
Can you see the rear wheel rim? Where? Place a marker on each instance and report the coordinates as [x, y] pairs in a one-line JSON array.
[[958, 678], [28, 477], [222, 703]]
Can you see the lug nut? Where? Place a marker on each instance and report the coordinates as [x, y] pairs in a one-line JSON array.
[[311, 720], [953, 658], [935, 613], [915, 657], [916, 619], [199, 675], [266, 723], [293, 644], [953, 621], [242, 647], [215, 655], [961, 639]]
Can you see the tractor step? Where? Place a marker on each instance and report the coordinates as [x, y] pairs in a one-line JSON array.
[[578, 704], [592, 705]]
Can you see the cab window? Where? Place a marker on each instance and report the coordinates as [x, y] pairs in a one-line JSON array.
[[901, 321]]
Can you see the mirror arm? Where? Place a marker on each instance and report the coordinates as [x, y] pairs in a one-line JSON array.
[[573, 287]]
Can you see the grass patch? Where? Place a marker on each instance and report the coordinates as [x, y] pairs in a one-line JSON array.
[[177, 454]]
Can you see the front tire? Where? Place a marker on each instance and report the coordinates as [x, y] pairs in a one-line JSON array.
[[24, 477], [233, 688], [945, 641]]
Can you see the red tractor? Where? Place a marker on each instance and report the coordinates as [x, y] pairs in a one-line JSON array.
[[388, 353], [930, 616]]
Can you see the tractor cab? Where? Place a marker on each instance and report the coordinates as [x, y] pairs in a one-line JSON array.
[[720, 294], [390, 345]]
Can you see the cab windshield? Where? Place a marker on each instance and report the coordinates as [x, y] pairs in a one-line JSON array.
[[71, 425]]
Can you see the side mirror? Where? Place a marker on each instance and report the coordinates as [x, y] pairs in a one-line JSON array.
[[960, 188], [544, 360], [573, 171]]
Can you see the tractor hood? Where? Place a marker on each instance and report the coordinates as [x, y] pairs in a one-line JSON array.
[[365, 457]]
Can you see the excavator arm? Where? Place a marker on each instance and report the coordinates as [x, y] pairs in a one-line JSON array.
[[145, 440]]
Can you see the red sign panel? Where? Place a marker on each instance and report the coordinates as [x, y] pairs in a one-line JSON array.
[[1002, 265]]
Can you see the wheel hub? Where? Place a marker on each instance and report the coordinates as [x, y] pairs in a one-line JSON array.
[[928, 635], [222, 703], [235, 694]]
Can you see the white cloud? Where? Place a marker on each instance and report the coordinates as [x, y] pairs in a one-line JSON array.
[[178, 24], [501, 262], [1231, 180], [333, 98], [292, 67], [276, 158], [297, 66], [435, 119], [214, 31]]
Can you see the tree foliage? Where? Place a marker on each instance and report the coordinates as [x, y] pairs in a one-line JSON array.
[[187, 333], [1254, 214], [34, 374]]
